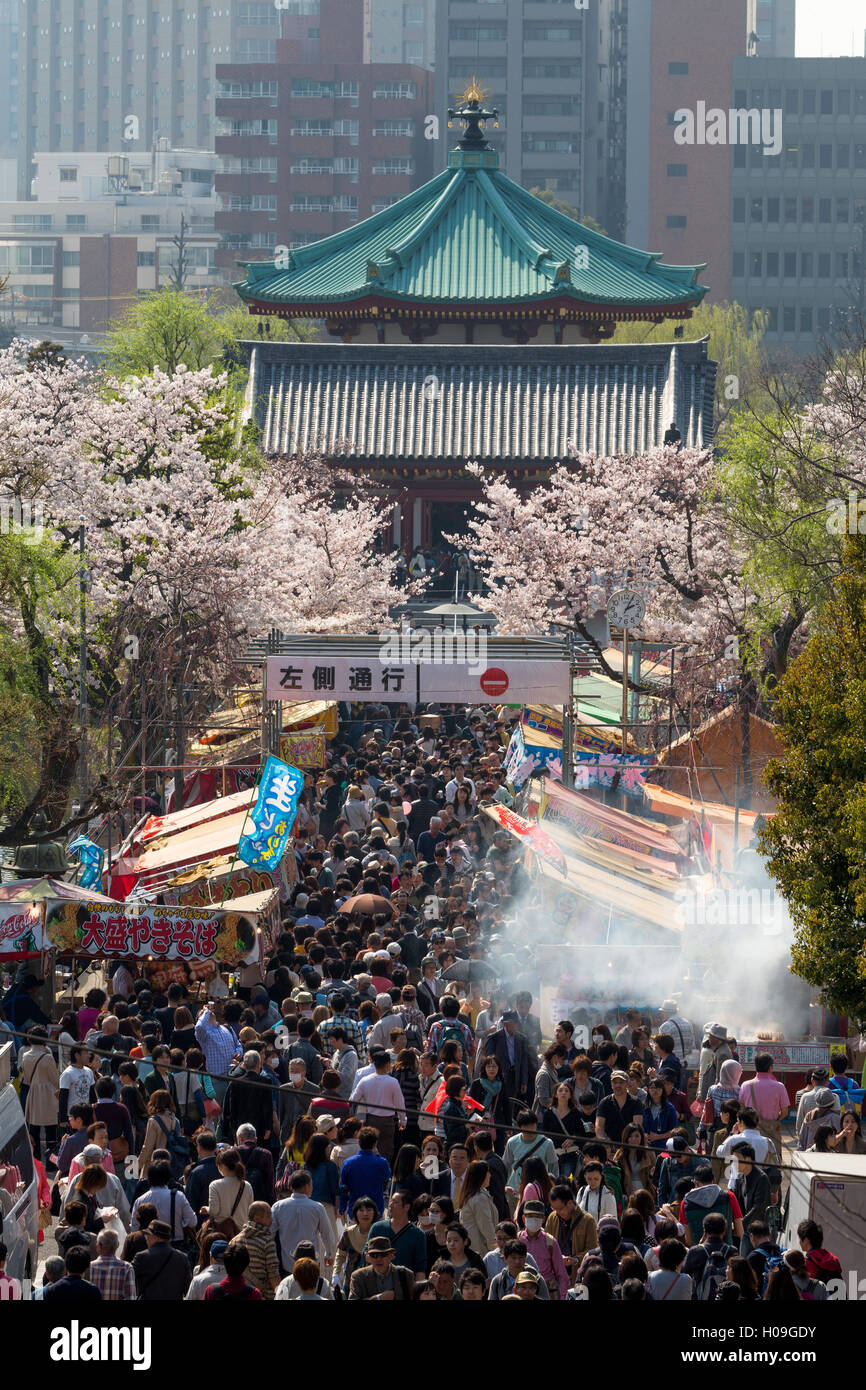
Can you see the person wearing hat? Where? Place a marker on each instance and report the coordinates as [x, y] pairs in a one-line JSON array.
[[212, 1273], [823, 1112], [544, 1249], [617, 1110], [715, 1050], [161, 1272], [818, 1079], [503, 1284], [680, 1029], [380, 1278]]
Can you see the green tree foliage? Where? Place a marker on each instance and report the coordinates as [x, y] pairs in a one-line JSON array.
[[546, 195], [171, 327], [816, 844], [735, 344], [166, 329]]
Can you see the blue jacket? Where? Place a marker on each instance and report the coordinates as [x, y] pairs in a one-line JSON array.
[[365, 1174]]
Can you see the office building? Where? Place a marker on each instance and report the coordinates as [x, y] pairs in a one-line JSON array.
[[798, 218], [537, 64], [318, 140], [100, 230]]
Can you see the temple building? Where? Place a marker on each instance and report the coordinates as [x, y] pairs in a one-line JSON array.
[[468, 324]]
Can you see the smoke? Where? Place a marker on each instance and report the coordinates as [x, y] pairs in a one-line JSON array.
[[726, 959]]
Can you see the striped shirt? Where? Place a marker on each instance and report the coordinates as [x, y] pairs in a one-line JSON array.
[[352, 1030]]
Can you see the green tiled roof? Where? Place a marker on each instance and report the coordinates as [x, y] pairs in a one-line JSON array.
[[471, 235]]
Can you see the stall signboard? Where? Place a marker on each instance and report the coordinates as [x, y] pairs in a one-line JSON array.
[[525, 758], [786, 1054], [306, 749], [156, 932], [20, 930]]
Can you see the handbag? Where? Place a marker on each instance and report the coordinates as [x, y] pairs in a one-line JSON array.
[[118, 1148]]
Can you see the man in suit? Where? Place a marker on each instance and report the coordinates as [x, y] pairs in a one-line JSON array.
[[380, 1280], [161, 1272], [509, 1046]]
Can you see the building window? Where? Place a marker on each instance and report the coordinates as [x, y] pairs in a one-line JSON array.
[[824, 264], [808, 101], [789, 319], [772, 209], [805, 319], [756, 265], [826, 101], [843, 210], [792, 101], [71, 258], [756, 210], [790, 263], [68, 174], [738, 265], [678, 69], [826, 156], [841, 265], [772, 265], [256, 50], [825, 210], [807, 265], [772, 319], [394, 128], [146, 258], [739, 209], [678, 171], [150, 221], [676, 221], [249, 91], [395, 91], [76, 222], [790, 209], [397, 165], [843, 101]]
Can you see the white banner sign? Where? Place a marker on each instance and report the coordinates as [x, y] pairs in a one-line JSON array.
[[453, 682], [340, 678]]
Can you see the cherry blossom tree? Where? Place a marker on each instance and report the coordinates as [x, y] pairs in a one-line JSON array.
[[193, 541], [653, 521]]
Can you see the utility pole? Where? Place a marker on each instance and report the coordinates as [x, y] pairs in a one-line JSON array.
[[180, 735], [82, 656]]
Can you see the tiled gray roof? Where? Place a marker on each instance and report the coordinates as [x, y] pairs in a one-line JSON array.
[[499, 404]]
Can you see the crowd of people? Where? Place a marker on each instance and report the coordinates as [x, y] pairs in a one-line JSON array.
[[376, 1114]]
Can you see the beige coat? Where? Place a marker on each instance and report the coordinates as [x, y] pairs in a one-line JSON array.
[[154, 1138], [479, 1217], [221, 1197], [39, 1071]]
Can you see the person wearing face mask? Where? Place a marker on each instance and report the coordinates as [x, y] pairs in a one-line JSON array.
[[441, 1214], [295, 1097], [544, 1249]]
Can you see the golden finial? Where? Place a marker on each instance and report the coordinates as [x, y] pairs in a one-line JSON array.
[[474, 91]]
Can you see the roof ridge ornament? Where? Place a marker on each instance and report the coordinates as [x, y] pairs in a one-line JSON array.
[[472, 114]]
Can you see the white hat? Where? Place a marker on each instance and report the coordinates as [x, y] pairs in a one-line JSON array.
[[383, 1001], [394, 948]]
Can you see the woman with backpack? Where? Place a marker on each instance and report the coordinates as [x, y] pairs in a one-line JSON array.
[[163, 1132], [229, 1196]]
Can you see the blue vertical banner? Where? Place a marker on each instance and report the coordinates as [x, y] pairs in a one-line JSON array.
[[280, 787]]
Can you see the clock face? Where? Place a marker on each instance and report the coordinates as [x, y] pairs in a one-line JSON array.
[[626, 608]]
